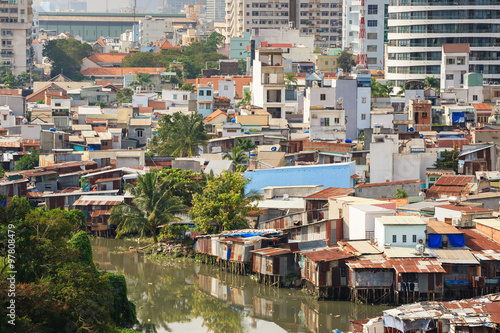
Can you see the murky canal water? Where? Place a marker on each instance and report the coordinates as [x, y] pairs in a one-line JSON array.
[[185, 296]]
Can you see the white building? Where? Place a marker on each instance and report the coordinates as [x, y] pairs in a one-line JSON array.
[[375, 19], [399, 231], [16, 21], [268, 86], [177, 97], [327, 124], [362, 220], [382, 148], [152, 30], [227, 88], [318, 97], [418, 29], [321, 19]]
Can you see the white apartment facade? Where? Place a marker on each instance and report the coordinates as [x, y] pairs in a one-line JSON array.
[[152, 30], [375, 22], [419, 28], [320, 18], [16, 19]]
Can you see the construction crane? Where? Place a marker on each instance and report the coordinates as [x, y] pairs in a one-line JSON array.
[[362, 58], [193, 11]]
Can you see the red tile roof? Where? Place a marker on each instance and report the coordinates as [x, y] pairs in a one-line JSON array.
[[120, 71], [100, 129], [333, 253], [101, 41], [107, 57], [388, 183], [11, 92], [157, 104], [482, 106], [145, 109], [166, 45], [331, 192], [214, 114]]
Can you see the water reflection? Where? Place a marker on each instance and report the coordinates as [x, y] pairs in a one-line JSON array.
[[190, 297]]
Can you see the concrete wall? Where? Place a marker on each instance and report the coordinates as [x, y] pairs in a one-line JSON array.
[[347, 90], [186, 165], [387, 191], [412, 166], [328, 175], [381, 165], [16, 103], [441, 213], [385, 232]]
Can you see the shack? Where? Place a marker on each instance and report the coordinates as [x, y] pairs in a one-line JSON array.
[[272, 264], [325, 272]]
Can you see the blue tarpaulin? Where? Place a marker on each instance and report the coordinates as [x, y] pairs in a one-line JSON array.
[[456, 240], [458, 117], [435, 241], [456, 282]]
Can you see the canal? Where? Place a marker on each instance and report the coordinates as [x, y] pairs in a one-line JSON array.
[[187, 296]]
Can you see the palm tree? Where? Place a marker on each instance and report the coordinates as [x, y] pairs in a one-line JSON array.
[[290, 81], [153, 205], [431, 82], [180, 135], [237, 155], [142, 80], [246, 100]]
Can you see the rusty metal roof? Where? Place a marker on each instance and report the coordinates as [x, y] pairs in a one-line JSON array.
[[417, 265], [101, 212], [99, 200], [102, 180], [438, 227], [329, 254], [271, 251], [465, 209], [331, 192], [369, 264], [482, 246], [448, 180], [34, 173]]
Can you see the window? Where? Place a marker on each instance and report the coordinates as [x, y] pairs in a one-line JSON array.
[[372, 23], [363, 100], [140, 132], [337, 120], [373, 9], [184, 97], [450, 61], [201, 93], [394, 239], [60, 137], [474, 97], [104, 143], [57, 104], [371, 35], [372, 61], [209, 92], [226, 87], [326, 62], [363, 116], [322, 97], [318, 229], [371, 48], [115, 139], [404, 238], [414, 238], [449, 76], [175, 96]]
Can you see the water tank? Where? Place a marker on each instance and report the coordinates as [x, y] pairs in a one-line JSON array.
[[247, 132], [52, 129], [233, 120], [348, 141], [306, 131], [421, 136]]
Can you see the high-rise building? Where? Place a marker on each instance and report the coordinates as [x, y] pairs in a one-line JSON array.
[[215, 10], [419, 28], [320, 18], [376, 29], [16, 19]]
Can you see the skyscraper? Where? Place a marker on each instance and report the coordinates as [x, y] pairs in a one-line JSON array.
[[419, 28], [16, 19], [216, 10]]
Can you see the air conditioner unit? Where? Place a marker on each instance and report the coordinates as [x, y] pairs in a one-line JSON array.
[[455, 221]]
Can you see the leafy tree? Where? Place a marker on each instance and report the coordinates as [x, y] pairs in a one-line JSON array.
[[448, 160], [246, 100], [346, 61], [222, 205], [100, 103], [216, 316], [24, 78], [173, 231], [400, 193], [380, 90], [124, 95], [237, 155], [214, 41], [187, 87], [245, 144], [291, 81], [142, 80], [183, 183], [27, 162], [40, 101], [242, 67], [141, 59], [180, 135], [66, 55], [153, 205], [10, 81], [432, 82], [81, 242]]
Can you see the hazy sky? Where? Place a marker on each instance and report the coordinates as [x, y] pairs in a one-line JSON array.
[[113, 5]]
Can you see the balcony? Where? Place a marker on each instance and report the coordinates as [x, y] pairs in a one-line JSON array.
[[6, 55], [273, 79]]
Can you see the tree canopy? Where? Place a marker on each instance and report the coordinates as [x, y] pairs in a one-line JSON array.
[[58, 288], [380, 90], [222, 205], [448, 160], [27, 162], [214, 41], [124, 95], [179, 135], [194, 58], [346, 61], [66, 55]]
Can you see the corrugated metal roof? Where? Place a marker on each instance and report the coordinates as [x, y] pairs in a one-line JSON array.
[[140, 122], [400, 182], [411, 265], [465, 209], [76, 138], [492, 223], [331, 192], [101, 212], [104, 135], [439, 227], [364, 247], [329, 254], [404, 220], [404, 252], [102, 200], [103, 180], [446, 180], [451, 256], [271, 251], [483, 247], [84, 127], [89, 134], [93, 141]]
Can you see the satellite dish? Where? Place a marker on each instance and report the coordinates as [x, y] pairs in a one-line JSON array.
[[420, 246]]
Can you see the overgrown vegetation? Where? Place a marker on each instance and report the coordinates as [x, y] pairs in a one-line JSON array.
[[448, 160], [28, 162], [66, 55], [58, 288]]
